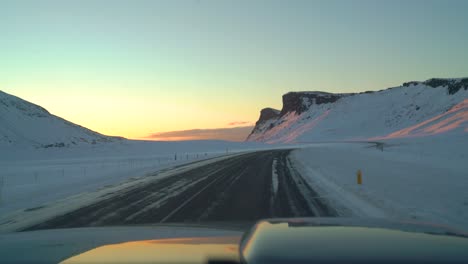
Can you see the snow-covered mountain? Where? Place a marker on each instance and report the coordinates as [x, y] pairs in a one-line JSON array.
[[25, 124], [424, 108]]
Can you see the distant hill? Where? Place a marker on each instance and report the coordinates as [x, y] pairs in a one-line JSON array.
[[25, 124], [435, 106]]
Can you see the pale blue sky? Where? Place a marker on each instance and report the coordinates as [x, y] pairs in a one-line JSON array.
[[220, 60]]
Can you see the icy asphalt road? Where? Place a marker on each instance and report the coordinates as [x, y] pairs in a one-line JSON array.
[[244, 188]]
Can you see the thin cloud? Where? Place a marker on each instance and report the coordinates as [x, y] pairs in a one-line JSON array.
[[230, 134], [240, 123]]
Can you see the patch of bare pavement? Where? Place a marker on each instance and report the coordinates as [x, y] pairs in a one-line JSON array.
[[243, 188]]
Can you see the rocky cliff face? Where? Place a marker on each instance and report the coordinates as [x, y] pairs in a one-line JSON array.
[[293, 102], [267, 117], [300, 102], [268, 114]]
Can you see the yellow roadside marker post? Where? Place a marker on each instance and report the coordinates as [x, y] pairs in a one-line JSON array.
[[359, 177]]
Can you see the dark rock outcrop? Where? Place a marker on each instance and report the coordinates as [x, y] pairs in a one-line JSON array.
[[408, 84], [266, 114], [453, 85], [300, 102]]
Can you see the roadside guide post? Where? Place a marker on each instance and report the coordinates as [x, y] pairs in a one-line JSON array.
[[359, 177]]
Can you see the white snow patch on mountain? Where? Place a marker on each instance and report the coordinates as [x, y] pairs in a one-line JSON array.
[[24, 124]]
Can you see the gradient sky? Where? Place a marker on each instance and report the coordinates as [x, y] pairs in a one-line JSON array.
[[138, 68]]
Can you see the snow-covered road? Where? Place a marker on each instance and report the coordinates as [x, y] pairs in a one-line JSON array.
[[235, 189]]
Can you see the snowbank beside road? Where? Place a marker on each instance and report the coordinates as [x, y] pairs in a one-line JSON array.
[[422, 179]]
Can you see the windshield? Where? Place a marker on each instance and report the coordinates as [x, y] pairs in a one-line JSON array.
[[223, 113]]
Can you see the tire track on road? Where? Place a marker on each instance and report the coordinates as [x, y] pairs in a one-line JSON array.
[[133, 200], [236, 189]]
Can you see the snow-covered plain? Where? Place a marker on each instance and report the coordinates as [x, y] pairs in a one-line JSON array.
[[416, 179]]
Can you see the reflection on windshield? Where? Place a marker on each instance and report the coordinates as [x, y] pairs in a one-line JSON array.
[[179, 250]]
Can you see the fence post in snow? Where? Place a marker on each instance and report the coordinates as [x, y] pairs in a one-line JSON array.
[[379, 146], [1, 189]]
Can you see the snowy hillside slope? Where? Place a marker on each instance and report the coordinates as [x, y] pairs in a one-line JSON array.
[[25, 124], [413, 109]]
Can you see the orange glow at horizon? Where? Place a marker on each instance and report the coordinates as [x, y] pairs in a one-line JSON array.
[[137, 116], [226, 133], [171, 138]]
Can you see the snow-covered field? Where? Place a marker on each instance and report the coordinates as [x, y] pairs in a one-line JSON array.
[[422, 179], [31, 177]]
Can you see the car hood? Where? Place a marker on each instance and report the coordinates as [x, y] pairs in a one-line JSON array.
[[66, 245], [174, 243]]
